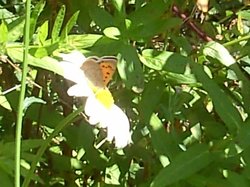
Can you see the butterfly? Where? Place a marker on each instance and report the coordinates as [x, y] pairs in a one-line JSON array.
[[99, 71]]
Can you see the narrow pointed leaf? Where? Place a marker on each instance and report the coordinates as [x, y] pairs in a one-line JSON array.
[[183, 166]]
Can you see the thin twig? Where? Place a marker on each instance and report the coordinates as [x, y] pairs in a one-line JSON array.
[[20, 71], [191, 24]]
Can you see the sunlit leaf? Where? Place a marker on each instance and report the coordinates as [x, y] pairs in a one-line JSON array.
[[183, 166], [164, 60], [45, 63], [219, 52], [4, 102], [112, 32], [70, 24], [3, 32], [81, 41], [162, 142], [221, 101], [129, 68], [58, 24], [30, 100], [43, 32], [34, 16], [15, 29]]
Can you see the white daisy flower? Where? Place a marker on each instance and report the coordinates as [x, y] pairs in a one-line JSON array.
[[71, 65], [99, 105]]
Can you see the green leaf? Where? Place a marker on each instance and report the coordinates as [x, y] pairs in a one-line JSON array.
[[30, 100], [199, 180], [106, 46], [112, 174], [9, 147], [82, 136], [12, 98], [4, 102], [148, 104], [150, 19], [223, 106], [176, 78], [244, 136], [46, 116], [43, 32], [130, 69], [61, 163], [3, 32], [101, 17], [81, 41], [70, 24], [15, 29], [183, 44], [184, 165], [219, 52], [66, 121], [86, 8], [5, 179], [112, 32], [245, 14], [119, 6], [172, 103], [31, 144], [6, 15], [150, 12], [43, 51], [7, 163], [245, 87], [164, 60], [237, 179], [34, 16], [149, 29], [7, 157], [162, 142], [46, 63], [58, 24]]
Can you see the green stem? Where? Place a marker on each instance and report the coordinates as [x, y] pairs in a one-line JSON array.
[[46, 143], [21, 96], [237, 40]]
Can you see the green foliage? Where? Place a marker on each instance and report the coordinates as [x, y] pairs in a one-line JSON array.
[[58, 25], [197, 157], [183, 82]]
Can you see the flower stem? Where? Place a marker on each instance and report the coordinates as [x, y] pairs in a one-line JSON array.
[[244, 38], [66, 121], [21, 96]]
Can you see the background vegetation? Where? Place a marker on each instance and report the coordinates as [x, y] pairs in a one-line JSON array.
[[187, 98]]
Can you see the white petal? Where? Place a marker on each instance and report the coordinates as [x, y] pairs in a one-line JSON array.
[[79, 90], [114, 119], [118, 127], [72, 72], [95, 110], [75, 57]]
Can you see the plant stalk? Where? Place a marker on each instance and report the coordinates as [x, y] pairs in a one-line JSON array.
[[22, 96]]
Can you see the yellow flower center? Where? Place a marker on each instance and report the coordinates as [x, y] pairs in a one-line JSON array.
[[105, 97]]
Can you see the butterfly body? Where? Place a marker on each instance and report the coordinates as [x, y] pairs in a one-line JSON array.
[[99, 71]]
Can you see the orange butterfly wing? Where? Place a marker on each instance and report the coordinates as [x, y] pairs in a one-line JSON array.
[[108, 68], [99, 71]]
